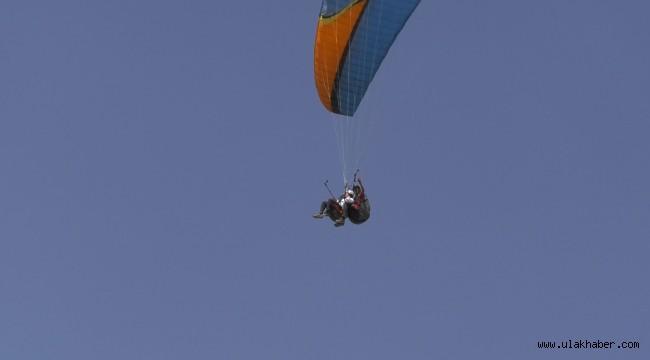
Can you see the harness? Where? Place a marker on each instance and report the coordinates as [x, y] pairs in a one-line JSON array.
[[361, 198]]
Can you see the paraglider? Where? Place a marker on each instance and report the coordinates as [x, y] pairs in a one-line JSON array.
[[353, 205], [335, 209], [352, 39], [359, 211]]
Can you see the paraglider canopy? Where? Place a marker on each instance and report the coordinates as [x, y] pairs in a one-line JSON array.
[[352, 39]]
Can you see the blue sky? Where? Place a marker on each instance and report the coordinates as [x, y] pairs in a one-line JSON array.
[[160, 162]]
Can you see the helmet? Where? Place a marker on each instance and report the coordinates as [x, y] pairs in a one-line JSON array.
[[350, 192]]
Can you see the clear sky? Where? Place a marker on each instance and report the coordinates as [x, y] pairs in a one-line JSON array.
[[160, 162]]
